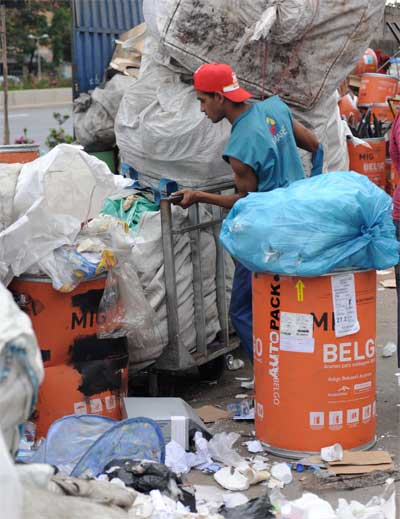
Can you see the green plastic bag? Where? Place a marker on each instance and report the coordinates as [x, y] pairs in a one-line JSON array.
[[140, 204]]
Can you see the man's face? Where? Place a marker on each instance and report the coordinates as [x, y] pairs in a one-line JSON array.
[[212, 105]]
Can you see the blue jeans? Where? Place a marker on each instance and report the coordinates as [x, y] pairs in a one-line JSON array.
[[241, 310]]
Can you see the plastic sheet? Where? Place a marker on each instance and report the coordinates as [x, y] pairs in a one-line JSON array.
[[316, 225]]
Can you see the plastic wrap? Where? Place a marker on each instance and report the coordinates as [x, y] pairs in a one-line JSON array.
[[332, 221]]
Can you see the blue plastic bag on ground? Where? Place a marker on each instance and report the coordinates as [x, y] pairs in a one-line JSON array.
[[334, 221]]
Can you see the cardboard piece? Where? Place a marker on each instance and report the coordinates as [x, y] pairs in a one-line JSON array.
[[358, 469], [363, 458], [211, 414]]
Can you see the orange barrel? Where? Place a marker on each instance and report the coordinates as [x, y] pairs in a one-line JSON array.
[[79, 367], [21, 153], [369, 160], [376, 88], [367, 63], [348, 108], [95, 387], [314, 389], [61, 321]]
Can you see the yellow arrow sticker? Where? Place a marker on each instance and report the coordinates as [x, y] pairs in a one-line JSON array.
[[300, 290]]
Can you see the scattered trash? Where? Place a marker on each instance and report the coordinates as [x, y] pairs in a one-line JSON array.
[[143, 476], [247, 385], [234, 500], [220, 447], [181, 462], [332, 453], [232, 479], [241, 395], [310, 506], [254, 446], [282, 472], [259, 508], [354, 463], [389, 349], [397, 375], [234, 364]]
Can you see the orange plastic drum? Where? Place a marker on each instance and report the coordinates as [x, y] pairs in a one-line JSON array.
[[21, 153], [369, 160], [314, 389], [367, 63], [66, 391], [376, 88], [59, 320], [348, 108], [83, 374]]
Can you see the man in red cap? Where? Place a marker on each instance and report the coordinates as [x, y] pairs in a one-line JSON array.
[[262, 151]]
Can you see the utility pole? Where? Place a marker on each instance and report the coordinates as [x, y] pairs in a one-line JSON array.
[[6, 138]]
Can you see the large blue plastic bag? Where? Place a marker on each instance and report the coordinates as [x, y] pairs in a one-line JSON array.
[[314, 226]]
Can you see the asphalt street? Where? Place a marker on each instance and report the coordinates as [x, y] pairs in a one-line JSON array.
[[38, 122]]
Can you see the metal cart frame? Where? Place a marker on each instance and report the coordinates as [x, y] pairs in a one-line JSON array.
[[176, 357]]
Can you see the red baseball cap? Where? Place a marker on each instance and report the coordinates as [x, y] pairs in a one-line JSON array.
[[219, 77]]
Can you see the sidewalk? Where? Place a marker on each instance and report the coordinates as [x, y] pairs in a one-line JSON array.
[[37, 98]]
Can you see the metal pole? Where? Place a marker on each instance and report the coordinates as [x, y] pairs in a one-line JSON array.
[[6, 138]]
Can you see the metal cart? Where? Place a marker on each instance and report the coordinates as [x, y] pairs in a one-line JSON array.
[[176, 357]]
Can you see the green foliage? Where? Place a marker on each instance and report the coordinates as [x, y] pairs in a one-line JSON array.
[[60, 33], [58, 135], [30, 18], [27, 19]]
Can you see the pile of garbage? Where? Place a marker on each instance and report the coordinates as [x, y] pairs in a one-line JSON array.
[[123, 473], [66, 217]]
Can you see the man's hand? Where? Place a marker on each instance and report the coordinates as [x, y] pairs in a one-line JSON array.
[[189, 198]]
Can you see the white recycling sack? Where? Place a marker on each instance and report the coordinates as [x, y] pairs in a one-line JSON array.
[[299, 49], [94, 115], [161, 132], [8, 184], [21, 368], [148, 260], [54, 195]]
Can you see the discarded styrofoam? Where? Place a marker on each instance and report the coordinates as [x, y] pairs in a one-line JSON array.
[[332, 453], [282, 472]]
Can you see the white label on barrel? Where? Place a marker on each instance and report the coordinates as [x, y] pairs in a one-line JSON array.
[[296, 333], [344, 305]]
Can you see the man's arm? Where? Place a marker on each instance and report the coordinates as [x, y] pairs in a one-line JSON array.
[[305, 139], [245, 182]]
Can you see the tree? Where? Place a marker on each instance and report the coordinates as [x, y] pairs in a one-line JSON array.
[[28, 18], [60, 32]]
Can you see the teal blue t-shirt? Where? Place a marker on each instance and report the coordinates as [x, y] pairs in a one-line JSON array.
[[262, 137]]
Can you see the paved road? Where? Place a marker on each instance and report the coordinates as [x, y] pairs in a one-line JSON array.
[[38, 121]]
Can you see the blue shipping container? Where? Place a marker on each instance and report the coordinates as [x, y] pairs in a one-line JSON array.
[[96, 26]]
